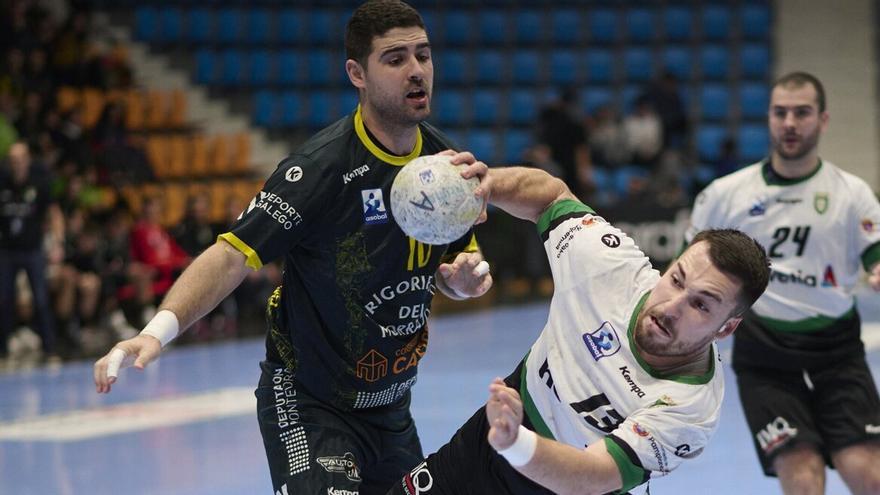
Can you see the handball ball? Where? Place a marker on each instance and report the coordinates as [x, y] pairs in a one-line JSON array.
[[432, 202]]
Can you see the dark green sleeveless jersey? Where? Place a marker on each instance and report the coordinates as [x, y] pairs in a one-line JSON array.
[[356, 293]]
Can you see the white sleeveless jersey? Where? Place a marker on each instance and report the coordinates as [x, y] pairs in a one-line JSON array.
[[583, 382], [817, 231]]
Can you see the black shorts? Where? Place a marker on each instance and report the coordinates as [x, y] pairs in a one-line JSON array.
[[831, 407], [314, 448]]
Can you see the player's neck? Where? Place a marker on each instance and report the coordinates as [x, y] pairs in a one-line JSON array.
[[794, 169], [399, 141], [695, 364]]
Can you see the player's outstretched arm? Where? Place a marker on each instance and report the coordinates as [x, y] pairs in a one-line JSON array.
[[198, 290], [525, 192], [557, 466]]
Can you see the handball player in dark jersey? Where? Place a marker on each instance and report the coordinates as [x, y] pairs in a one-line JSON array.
[[348, 326]]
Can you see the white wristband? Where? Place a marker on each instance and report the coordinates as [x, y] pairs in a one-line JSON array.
[[522, 450], [164, 326], [481, 269]]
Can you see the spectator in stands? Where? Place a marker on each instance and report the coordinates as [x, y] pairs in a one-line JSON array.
[[195, 232], [119, 156], [664, 97], [560, 128], [607, 139], [25, 211], [644, 134], [37, 75]]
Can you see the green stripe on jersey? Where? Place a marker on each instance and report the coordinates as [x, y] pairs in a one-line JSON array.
[[561, 209], [871, 256], [529, 408], [631, 474], [807, 325]]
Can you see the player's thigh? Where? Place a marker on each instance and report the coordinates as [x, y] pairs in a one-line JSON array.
[[309, 447], [846, 405], [777, 408], [858, 466]]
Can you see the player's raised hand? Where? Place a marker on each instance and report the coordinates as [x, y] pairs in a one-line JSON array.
[[504, 413], [475, 168], [138, 351], [467, 276]]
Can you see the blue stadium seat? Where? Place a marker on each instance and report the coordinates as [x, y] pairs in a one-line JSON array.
[[200, 26], [755, 21], [528, 27], [638, 64], [322, 27], [452, 68], [624, 175], [291, 109], [566, 26], [170, 25], [716, 22], [714, 102], [449, 108], [321, 111], [483, 144], [346, 101], [594, 98], [600, 66], [755, 60], [640, 25], [146, 23], [563, 67], [291, 25], [234, 71], [289, 67], [523, 107], [460, 28], [678, 22], [754, 142], [206, 66], [515, 145], [754, 100], [319, 64], [490, 67], [261, 68], [709, 139], [485, 105], [526, 67], [715, 62], [433, 25], [229, 25], [493, 27], [628, 96], [677, 60], [602, 26], [259, 27], [265, 107]]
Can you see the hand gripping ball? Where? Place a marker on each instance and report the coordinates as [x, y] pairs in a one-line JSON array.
[[432, 202]]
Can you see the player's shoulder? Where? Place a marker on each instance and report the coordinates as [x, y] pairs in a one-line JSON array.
[[847, 179], [327, 147]]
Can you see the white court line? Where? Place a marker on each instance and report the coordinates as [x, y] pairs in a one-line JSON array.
[[132, 416]]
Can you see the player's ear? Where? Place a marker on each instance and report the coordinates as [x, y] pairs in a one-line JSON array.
[[728, 328], [356, 73]]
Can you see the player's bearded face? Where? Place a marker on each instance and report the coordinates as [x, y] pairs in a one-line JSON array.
[[795, 121], [400, 76]]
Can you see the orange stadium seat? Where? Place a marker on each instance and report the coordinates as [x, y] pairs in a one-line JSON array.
[[68, 98], [178, 157], [220, 155], [199, 166], [134, 109], [241, 158], [158, 153], [93, 104], [177, 113]]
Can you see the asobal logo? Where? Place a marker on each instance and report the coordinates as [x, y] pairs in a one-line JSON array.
[[602, 342], [374, 207]]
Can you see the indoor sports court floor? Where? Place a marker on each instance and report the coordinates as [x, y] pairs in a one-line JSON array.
[[187, 424]]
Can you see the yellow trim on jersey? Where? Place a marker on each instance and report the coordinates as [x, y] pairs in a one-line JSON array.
[[253, 259], [377, 151]]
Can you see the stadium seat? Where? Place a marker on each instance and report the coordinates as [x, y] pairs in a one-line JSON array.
[[229, 25], [714, 102], [716, 22], [755, 22], [486, 105], [628, 96], [755, 60], [640, 25], [515, 145], [452, 68], [459, 28], [170, 25], [678, 23], [490, 67], [146, 23], [527, 27], [319, 64], [714, 62], [291, 25], [261, 68], [322, 27], [754, 142], [563, 68], [709, 139], [526, 67], [291, 109], [523, 108], [346, 101], [289, 67], [622, 177], [206, 66], [233, 72], [200, 26], [754, 100], [594, 98], [432, 24], [599, 66], [677, 60], [483, 145], [449, 108], [566, 26], [602, 26], [321, 111], [259, 27], [638, 64], [493, 27]]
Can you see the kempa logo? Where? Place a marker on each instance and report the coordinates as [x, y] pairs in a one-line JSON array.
[[358, 172], [633, 386], [336, 491], [344, 464], [293, 174]]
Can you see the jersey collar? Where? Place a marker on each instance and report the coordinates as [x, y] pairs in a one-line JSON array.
[[377, 151], [771, 178]]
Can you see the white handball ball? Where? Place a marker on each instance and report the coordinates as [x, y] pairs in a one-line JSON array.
[[432, 202]]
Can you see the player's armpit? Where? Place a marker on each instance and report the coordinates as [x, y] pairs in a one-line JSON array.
[[564, 469]]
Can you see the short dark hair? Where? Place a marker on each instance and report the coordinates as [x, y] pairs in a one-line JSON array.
[[800, 79], [739, 256], [375, 18]]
